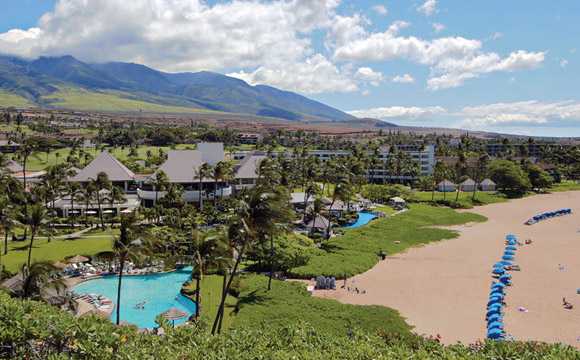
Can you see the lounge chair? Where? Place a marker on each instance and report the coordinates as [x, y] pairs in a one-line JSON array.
[[332, 283]]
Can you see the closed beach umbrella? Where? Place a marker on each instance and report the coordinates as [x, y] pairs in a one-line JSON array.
[[498, 271], [512, 242], [507, 257], [505, 262], [510, 247], [498, 265], [509, 252], [510, 237]]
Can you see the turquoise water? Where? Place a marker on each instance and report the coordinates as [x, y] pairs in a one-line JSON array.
[[158, 290], [363, 219]]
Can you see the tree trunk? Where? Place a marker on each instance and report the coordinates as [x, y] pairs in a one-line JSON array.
[[224, 294], [215, 195], [121, 267], [223, 301], [197, 280], [30, 248], [100, 211], [327, 235], [200, 193], [71, 213], [6, 243], [271, 261]]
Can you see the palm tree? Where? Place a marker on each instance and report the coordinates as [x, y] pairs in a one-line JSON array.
[[208, 251], [72, 189], [174, 194], [39, 220], [39, 282], [160, 181], [342, 190], [86, 196], [27, 150], [201, 173], [317, 209], [218, 171], [133, 241], [116, 195], [102, 182], [7, 220]]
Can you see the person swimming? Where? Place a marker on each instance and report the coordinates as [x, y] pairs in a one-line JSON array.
[[140, 306]]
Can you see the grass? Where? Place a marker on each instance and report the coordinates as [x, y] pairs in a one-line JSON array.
[[289, 303], [211, 290], [357, 250], [56, 250], [7, 99], [565, 185], [465, 200]]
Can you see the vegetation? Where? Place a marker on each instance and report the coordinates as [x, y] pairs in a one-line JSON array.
[[288, 303], [357, 250], [34, 329]]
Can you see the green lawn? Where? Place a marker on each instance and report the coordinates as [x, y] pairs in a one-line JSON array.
[[357, 250], [56, 250], [211, 291], [565, 185], [289, 303], [466, 200]]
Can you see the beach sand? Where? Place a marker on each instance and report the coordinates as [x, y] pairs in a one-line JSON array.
[[443, 288]]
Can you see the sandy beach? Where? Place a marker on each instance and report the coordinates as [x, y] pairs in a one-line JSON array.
[[443, 288]]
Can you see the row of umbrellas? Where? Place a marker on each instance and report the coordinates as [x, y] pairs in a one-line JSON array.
[[550, 214], [494, 315]]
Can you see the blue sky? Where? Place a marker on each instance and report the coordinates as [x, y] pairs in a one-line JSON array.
[[494, 65]]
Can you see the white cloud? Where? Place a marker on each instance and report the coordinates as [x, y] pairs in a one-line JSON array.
[[453, 60], [190, 35], [405, 78], [512, 80], [380, 9], [572, 51], [530, 112], [398, 112], [497, 35], [366, 92], [564, 63], [438, 27], [366, 73], [428, 8]]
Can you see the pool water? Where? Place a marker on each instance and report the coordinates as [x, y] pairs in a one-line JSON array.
[[363, 219], [161, 292]]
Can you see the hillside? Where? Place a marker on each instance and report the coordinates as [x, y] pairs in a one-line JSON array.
[[67, 83]]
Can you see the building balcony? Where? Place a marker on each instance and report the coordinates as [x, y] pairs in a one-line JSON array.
[[188, 196]]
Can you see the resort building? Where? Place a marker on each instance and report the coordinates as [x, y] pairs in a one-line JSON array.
[[8, 146], [376, 174], [245, 138], [468, 185], [446, 186], [182, 167], [247, 169], [487, 185], [118, 173]]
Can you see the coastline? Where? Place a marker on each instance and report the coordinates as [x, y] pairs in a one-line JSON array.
[[443, 287]]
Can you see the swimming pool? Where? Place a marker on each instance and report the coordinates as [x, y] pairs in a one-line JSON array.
[[363, 219], [161, 292]]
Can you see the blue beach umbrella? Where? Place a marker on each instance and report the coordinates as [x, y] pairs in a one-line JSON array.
[[494, 317], [507, 257], [512, 242], [505, 262], [511, 247], [495, 307], [498, 265], [510, 237], [497, 285], [505, 276], [509, 252], [494, 311], [498, 271]]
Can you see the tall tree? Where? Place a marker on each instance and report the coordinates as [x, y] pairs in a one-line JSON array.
[[72, 190], [133, 241], [102, 182], [39, 220], [201, 173], [159, 182]]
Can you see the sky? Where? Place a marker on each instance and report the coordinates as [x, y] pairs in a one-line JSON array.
[[493, 65]]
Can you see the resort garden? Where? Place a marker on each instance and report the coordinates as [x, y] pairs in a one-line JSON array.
[[231, 243]]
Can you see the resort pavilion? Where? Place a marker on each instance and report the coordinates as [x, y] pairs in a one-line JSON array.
[[468, 185], [446, 186], [182, 167], [247, 172]]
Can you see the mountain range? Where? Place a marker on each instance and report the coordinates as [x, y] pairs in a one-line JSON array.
[[67, 83]]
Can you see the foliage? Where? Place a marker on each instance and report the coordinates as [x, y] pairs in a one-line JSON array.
[[291, 251], [358, 249], [509, 176], [278, 307], [538, 178]]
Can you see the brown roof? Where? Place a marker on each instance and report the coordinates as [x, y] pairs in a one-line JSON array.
[[14, 283], [174, 314], [106, 163], [545, 166]]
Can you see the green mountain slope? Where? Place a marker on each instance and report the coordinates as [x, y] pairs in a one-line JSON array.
[[65, 82]]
